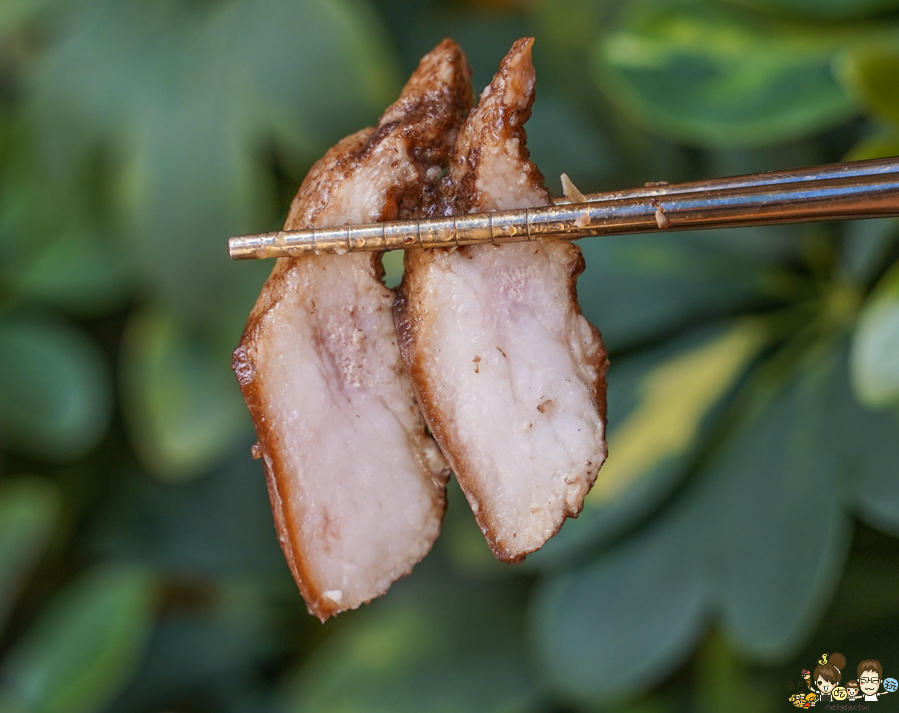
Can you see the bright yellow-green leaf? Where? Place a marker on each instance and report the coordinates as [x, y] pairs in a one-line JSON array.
[[880, 145], [872, 76], [675, 398], [875, 348]]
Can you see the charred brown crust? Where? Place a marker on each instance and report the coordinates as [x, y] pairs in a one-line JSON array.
[[495, 119], [425, 119]]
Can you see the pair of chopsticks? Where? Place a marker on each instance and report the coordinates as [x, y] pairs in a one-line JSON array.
[[842, 191]]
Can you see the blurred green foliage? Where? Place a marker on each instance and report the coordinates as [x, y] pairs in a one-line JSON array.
[[748, 516]]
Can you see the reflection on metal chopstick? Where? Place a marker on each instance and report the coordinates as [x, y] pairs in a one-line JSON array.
[[859, 189]]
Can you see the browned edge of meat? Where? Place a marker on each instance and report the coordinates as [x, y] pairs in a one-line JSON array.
[[426, 117], [458, 193]]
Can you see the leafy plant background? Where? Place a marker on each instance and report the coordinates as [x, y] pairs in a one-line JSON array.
[[746, 521]]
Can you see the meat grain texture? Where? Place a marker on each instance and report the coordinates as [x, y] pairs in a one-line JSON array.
[[509, 374], [357, 486]]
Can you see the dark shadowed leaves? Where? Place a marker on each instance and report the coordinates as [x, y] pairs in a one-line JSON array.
[[638, 286], [723, 682], [820, 9], [562, 140], [212, 526], [216, 633], [455, 646], [29, 508]]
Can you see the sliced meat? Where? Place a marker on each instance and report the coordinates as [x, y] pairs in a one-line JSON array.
[[510, 375], [356, 484]]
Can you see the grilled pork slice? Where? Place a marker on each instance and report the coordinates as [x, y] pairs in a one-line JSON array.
[[356, 484], [510, 375]]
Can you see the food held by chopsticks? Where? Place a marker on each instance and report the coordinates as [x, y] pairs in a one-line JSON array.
[[357, 486], [509, 374]]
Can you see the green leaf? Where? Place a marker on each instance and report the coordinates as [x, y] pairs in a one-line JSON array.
[[182, 405], [872, 76], [327, 71], [820, 9], [86, 646], [771, 483], [869, 454], [638, 287], [774, 500], [55, 395], [562, 140], [713, 76], [16, 13], [456, 647], [29, 508], [393, 267], [618, 626], [866, 246], [877, 475], [185, 96], [76, 271], [674, 398], [875, 347]]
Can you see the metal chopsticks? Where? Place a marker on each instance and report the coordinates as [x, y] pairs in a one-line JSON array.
[[851, 190]]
